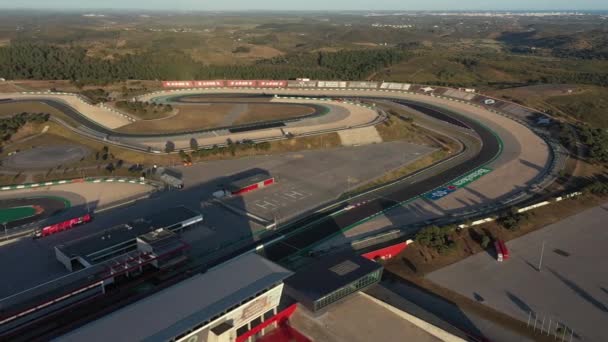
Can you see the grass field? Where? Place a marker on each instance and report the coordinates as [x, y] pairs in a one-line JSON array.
[[590, 105], [487, 70], [17, 213], [261, 112], [583, 103], [204, 116]]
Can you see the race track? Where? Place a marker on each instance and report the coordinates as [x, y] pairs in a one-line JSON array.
[[480, 127], [44, 207]]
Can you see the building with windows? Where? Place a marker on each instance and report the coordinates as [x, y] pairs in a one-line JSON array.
[[123, 239], [331, 279], [231, 302]]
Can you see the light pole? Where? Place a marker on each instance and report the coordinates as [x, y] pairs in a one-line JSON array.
[[5, 231], [542, 252], [86, 201]]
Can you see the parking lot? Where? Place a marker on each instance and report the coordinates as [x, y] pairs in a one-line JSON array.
[[570, 289], [305, 181]]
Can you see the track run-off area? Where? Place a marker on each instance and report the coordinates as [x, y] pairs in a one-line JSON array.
[[508, 150]]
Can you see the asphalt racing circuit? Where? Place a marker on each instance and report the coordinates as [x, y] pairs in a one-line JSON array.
[[504, 160], [330, 115]]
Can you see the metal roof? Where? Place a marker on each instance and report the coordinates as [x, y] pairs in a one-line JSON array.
[[330, 273], [181, 307], [125, 233], [245, 179]]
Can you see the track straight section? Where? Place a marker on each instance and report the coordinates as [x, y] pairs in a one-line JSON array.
[[302, 239]]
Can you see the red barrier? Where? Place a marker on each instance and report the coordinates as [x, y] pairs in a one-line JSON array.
[[280, 318], [246, 189], [61, 226], [386, 252]]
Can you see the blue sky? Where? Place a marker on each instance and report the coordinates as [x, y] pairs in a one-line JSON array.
[[312, 4]]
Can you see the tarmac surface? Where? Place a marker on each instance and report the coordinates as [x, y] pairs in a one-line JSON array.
[[222, 226], [44, 157], [571, 287], [307, 180]]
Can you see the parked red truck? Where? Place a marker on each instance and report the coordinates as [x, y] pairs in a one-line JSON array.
[[502, 252]]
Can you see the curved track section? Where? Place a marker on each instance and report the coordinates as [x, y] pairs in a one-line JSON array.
[[396, 195], [327, 117], [43, 207]]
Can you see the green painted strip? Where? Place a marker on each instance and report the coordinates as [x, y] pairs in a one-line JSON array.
[[16, 213], [471, 177]]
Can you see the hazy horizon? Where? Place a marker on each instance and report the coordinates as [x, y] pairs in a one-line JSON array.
[[311, 5]]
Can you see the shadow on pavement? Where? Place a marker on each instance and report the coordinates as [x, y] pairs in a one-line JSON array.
[[519, 302], [580, 291]]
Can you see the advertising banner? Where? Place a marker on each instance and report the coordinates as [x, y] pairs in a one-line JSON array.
[[302, 84], [363, 85], [272, 84], [240, 83], [331, 84], [177, 84], [471, 177], [440, 193], [210, 84], [457, 184]]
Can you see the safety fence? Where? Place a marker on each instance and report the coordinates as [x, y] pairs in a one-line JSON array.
[[125, 180]]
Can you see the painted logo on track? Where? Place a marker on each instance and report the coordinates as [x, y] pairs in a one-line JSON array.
[[440, 193]]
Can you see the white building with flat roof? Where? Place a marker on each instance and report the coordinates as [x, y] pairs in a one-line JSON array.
[[219, 305]]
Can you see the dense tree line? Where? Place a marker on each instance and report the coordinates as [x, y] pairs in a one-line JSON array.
[[21, 60], [95, 95], [597, 141], [10, 126], [138, 107], [437, 238]]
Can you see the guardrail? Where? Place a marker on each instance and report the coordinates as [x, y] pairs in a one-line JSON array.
[[125, 180]]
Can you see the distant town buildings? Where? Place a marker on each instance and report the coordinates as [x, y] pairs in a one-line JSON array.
[[395, 26]]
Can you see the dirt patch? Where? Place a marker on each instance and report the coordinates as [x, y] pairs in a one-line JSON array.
[[261, 112], [204, 116], [8, 88]]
